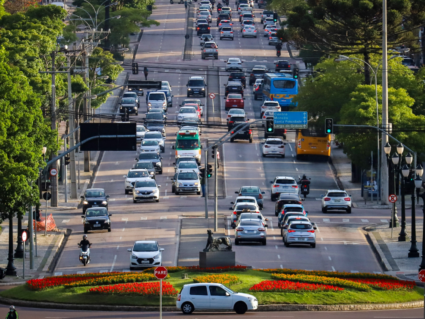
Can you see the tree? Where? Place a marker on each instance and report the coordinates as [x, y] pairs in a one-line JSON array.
[[361, 109], [353, 27], [284, 7]]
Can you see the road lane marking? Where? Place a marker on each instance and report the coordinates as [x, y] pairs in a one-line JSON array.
[[329, 257], [354, 271], [143, 218], [326, 220], [113, 263], [123, 229], [326, 248], [345, 220], [365, 220], [384, 220], [333, 268], [321, 238], [81, 272], [59, 273], [296, 169], [41, 277], [126, 219], [278, 256], [126, 270], [163, 217], [103, 270], [281, 266], [274, 237], [118, 247], [65, 221], [276, 247]]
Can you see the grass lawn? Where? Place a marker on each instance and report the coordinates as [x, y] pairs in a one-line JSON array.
[[248, 279]]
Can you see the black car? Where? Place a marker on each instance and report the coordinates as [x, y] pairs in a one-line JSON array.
[[256, 74], [245, 134], [154, 158], [96, 219], [238, 76], [196, 86], [155, 122], [233, 87], [148, 166], [129, 105], [235, 120], [94, 197], [203, 29], [286, 199], [282, 65]]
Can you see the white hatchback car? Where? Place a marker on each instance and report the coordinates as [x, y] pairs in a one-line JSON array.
[[237, 112], [145, 253], [336, 199], [249, 31], [244, 199], [150, 146], [234, 64], [146, 190], [211, 296], [283, 184], [274, 146]]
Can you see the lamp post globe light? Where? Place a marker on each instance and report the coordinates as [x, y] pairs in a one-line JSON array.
[[394, 164]]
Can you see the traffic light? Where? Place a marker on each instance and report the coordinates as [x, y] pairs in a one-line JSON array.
[[67, 159], [329, 126], [295, 73], [269, 126], [275, 16], [209, 171], [135, 67]]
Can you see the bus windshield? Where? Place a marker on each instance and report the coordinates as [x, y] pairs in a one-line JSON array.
[[189, 144]]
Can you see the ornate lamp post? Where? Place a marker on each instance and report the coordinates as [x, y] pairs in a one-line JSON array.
[[394, 163], [418, 185]]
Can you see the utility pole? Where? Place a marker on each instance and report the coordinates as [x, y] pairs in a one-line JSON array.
[[107, 18], [206, 180], [86, 99], [384, 167], [215, 187], [54, 179], [31, 234], [71, 121]]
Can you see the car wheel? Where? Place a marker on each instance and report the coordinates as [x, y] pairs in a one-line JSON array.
[[250, 140], [221, 38], [126, 191], [285, 243], [163, 150], [313, 245], [187, 308], [264, 155], [236, 242], [109, 229], [272, 198], [177, 193], [240, 308], [216, 57], [160, 172], [157, 200], [134, 201], [232, 140], [202, 57], [349, 210], [276, 214], [198, 193], [324, 210], [173, 190], [188, 95], [264, 242], [281, 234], [85, 231], [283, 156]]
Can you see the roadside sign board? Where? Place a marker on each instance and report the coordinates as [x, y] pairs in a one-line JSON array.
[[53, 172], [212, 96], [421, 275], [294, 120], [392, 198], [47, 196], [160, 272]]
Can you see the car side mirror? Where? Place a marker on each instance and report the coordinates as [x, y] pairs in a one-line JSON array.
[[161, 249], [172, 147], [159, 186], [82, 216], [124, 176], [82, 197], [233, 203], [314, 227], [230, 208], [107, 196], [271, 182], [266, 219], [136, 158], [235, 193], [303, 199], [244, 98], [129, 250], [266, 225]]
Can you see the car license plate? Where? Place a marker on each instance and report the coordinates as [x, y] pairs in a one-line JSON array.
[[250, 231], [313, 147], [145, 261], [234, 105], [337, 200], [273, 151], [96, 225], [95, 206]]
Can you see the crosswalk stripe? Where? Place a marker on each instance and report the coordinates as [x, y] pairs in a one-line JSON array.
[[126, 270], [65, 221], [326, 220], [365, 220], [384, 220], [58, 273], [163, 217], [41, 277], [345, 220], [81, 272], [143, 218]]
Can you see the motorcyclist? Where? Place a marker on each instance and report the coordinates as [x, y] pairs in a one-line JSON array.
[[304, 180], [219, 6], [12, 314], [278, 46], [85, 242]]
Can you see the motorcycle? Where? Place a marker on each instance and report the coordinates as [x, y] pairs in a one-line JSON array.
[[278, 53], [305, 190], [218, 10], [84, 254]]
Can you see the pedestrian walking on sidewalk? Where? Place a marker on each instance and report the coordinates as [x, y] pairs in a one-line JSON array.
[[185, 4], [202, 181], [145, 71], [12, 314]]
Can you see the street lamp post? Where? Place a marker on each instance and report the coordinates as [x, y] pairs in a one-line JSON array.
[[408, 171], [418, 185], [394, 162]]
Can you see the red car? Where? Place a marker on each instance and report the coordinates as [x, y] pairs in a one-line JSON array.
[[234, 101]]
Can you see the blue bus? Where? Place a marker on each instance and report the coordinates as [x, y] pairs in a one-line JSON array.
[[280, 87]]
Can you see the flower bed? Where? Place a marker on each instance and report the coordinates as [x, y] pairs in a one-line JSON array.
[[387, 284], [327, 273], [143, 288], [220, 279], [197, 268], [87, 279], [323, 280], [290, 286]]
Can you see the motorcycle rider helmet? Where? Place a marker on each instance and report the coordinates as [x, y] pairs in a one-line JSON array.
[[304, 177], [85, 237], [12, 308]]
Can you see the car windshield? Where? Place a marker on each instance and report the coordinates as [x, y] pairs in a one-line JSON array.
[[154, 116], [97, 212], [286, 181], [301, 226], [233, 61], [93, 193], [246, 206], [196, 83], [227, 29], [188, 165], [250, 223], [134, 174], [337, 194], [204, 13], [139, 247], [187, 110], [128, 100], [210, 45], [207, 36], [145, 165], [148, 156], [253, 190], [149, 143], [245, 200], [188, 176], [153, 135], [408, 62], [293, 209], [156, 96], [145, 184], [236, 111], [283, 63], [189, 144], [274, 142], [129, 95], [234, 96], [140, 129]]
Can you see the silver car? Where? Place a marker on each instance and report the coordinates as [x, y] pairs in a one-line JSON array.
[[156, 136], [150, 146], [294, 218], [273, 39], [249, 31], [242, 208], [226, 32], [234, 64], [133, 176], [251, 230], [187, 182], [186, 166], [244, 199], [336, 200], [205, 37], [146, 190], [283, 184], [140, 132], [132, 95], [300, 232]]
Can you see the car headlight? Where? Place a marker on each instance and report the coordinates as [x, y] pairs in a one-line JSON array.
[[155, 191], [107, 221], [85, 202], [152, 173], [149, 104], [157, 256], [164, 104], [133, 256], [203, 89], [196, 184], [252, 299], [158, 164], [189, 89], [135, 107], [104, 202], [137, 192]]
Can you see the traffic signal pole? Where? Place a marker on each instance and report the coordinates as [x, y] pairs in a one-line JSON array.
[[215, 187], [205, 181]]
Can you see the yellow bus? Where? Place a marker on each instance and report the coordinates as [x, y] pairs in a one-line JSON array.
[[312, 142]]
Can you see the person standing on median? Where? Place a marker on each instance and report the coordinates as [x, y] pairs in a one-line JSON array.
[[202, 181], [145, 71]]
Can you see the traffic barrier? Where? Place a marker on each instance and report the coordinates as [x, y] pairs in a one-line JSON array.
[[51, 225]]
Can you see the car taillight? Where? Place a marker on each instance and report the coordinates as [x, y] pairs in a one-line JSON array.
[[233, 132], [231, 31], [197, 28], [243, 31], [260, 196], [235, 213], [230, 122], [294, 186], [261, 229], [277, 65], [252, 74], [266, 146], [270, 38], [274, 186], [250, 132], [257, 88], [255, 30], [179, 297], [291, 231], [310, 231], [327, 199], [300, 202], [264, 117], [205, 50], [347, 199], [221, 31], [239, 229], [208, 28], [227, 100], [281, 146], [243, 77]]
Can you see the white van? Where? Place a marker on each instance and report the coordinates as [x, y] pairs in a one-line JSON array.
[[157, 100]]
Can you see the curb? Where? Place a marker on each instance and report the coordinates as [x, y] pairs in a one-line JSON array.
[[50, 305], [378, 252]]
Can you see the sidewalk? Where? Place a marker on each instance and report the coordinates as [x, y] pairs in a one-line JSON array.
[[392, 254]]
